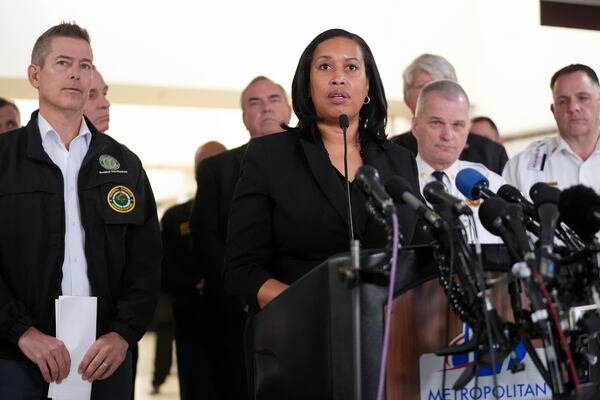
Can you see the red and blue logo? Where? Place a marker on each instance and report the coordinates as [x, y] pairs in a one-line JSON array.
[[460, 361]]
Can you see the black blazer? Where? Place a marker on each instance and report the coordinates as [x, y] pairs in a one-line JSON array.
[[478, 149], [289, 209], [216, 178]]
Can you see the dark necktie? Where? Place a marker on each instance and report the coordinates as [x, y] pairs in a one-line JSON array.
[[439, 176]]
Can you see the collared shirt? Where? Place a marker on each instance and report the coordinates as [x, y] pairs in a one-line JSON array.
[[75, 280], [425, 171], [552, 160]]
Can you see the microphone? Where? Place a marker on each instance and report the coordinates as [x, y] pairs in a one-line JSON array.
[[367, 179], [344, 123], [473, 184], [513, 195], [579, 208], [401, 192], [506, 220], [435, 193], [546, 198]]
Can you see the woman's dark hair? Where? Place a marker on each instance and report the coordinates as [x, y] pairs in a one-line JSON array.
[[373, 116]]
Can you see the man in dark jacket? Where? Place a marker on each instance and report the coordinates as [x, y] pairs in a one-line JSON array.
[[429, 67], [265, 108], [79, 219]]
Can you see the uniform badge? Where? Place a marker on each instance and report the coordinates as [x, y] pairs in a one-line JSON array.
[[473, 203], [121, 199], [109, 162]]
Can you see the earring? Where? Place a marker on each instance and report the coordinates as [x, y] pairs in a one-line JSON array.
[[367, 100]]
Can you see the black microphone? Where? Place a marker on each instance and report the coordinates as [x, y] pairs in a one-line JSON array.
[[506, 220], [546, 198], [367, 179], [435, 193], [344, 123], [579, 208], [513, 195], [473, 184], [401, 192]]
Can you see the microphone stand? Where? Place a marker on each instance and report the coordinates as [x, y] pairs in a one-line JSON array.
[[355, 262]]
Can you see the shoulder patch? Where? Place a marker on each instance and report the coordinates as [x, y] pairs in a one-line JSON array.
[[121, 199]]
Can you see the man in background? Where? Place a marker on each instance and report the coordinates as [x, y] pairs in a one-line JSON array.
[[264, 109], [97, 108], [429, 67], [10, 117], [573, 156], [441, 126], [485, 126], [186, 288]]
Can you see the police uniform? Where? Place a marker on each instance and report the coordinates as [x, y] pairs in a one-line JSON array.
[[122, 238], [552, 160], [425, 176]]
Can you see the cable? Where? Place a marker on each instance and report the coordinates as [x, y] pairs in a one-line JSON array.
[[388, 313], [561, 335]]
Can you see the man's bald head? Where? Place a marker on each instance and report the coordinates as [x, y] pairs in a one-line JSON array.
[[208, 149]]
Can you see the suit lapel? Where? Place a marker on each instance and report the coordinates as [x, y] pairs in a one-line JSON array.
[[325, 175]]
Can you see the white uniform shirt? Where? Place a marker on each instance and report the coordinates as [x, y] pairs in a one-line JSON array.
[[75, 280], [495, 180], [551, 160]]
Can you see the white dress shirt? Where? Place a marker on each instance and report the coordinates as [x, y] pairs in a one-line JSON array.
[[552, 160], [75, 280], [425, 171]]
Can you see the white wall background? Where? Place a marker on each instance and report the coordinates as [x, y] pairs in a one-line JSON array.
[[502, 55]]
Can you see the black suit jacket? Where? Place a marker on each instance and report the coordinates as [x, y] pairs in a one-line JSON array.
[[289, 209], [216, 178], [478, 149]]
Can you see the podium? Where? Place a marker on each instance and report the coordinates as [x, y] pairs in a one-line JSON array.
[[322, 337]]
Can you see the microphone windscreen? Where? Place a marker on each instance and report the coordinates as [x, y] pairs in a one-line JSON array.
[[344, 122], [542, 193], [430, 188], [467, 180], [510, 193], [490, 213], [396, 186], [366, 174], [576, 206]]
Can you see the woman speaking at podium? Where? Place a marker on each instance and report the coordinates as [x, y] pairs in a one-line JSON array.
[[289, 211]]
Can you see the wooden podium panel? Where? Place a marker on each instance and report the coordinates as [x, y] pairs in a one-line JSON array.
[[419, 326]]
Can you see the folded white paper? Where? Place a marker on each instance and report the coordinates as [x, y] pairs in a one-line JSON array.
[[76, 327]]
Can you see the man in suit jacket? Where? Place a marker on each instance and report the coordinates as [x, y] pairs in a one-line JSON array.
[[265, 108], [429, 67], [179, 281]]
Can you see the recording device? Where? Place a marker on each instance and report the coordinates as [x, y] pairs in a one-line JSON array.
[[579, 208], [513, 195], [507, 221], [399, 189], [545, 198], [367, 179], [435, 193], [473, 184]]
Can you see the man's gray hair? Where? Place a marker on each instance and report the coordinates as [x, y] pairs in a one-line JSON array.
[[448, 89], [436, 66], [258, 79]]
